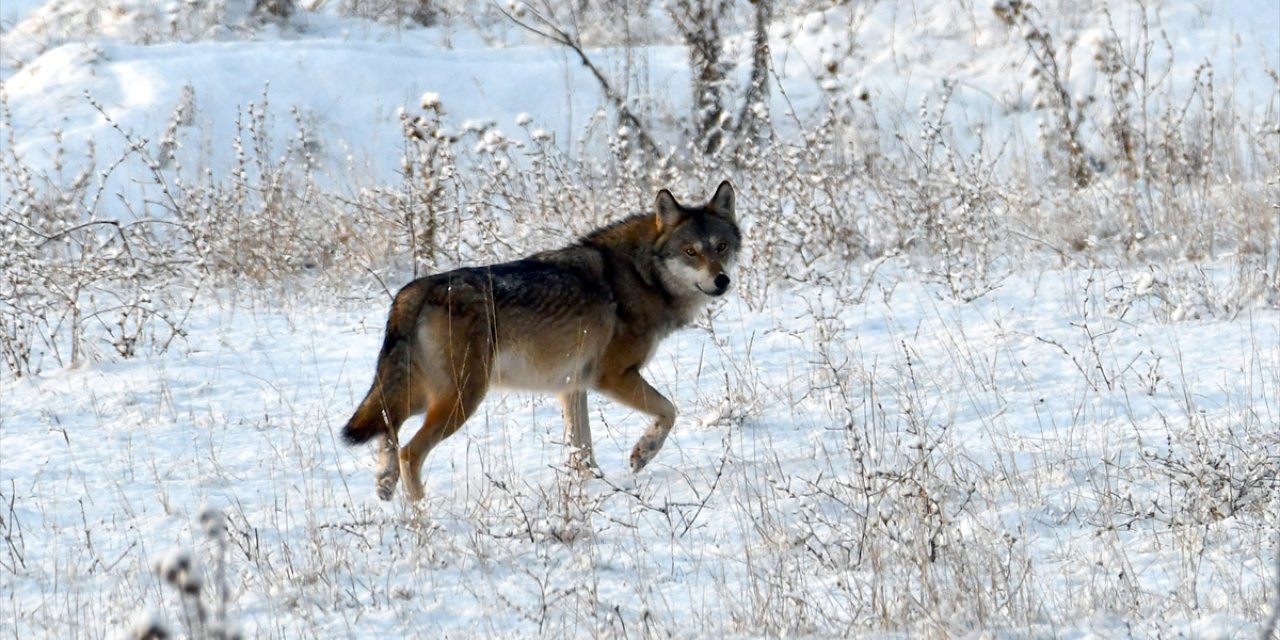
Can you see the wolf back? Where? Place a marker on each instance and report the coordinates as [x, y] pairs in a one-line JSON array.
[[584, 317]]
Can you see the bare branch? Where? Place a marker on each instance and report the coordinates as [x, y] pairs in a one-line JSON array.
[[554, 33]]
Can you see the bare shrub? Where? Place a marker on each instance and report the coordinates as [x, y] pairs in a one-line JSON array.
[[1062, 139], [832, 197], [76, 284]]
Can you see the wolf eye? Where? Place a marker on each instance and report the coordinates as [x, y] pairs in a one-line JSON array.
[[721, 247], [690, 251]]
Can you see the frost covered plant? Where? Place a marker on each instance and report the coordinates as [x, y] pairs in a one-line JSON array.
[[75, 282], [1061, 136], [145, 625], [1176, 294], [427, 195], [959, 207], [1212, 470], [181, 571]]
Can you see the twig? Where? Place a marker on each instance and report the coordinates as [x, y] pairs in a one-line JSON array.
[[560, 36]]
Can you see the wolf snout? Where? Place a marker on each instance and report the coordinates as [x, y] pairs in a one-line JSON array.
[[722, 284]]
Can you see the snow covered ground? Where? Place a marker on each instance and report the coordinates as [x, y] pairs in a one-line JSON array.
[[1028, 463], [1083, 451]]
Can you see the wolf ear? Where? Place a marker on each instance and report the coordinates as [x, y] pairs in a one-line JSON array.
[[667, 210], [722, 202]]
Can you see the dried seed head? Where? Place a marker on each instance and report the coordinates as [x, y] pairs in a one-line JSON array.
[[146, 625], [214, 523], [173, 566]]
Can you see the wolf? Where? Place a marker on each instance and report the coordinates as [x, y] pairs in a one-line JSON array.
[[585, 317]]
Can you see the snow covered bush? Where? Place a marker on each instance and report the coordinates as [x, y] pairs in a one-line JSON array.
[[76, 285], [1000, 357]]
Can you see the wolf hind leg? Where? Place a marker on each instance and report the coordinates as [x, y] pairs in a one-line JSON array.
[[444, 417], [388, 473], [577, 429], [634, 391], [410, 399]]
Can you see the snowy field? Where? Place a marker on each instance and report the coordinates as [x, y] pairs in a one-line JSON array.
[[1027, 464], [1068, 427]]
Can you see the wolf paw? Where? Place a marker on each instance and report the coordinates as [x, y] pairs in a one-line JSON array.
[[388, 474], [588, 471], [585, 465], [643, 452], [637, 463], [649, 444], [387, 485]]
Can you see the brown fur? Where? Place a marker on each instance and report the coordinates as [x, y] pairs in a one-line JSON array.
[[587, 316]]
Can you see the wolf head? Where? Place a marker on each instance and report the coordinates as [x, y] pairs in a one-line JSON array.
[[696, 246]]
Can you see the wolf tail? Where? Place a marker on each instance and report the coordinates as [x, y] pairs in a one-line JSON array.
[[391, 398]]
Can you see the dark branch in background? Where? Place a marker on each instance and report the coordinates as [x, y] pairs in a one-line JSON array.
[[753, 115], [715, 130], [546, 29], [698, 22], [280, 10], [1053, 84]]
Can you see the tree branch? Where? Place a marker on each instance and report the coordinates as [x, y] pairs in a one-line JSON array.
[[550, 31]]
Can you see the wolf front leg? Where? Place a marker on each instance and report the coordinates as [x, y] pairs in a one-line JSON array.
[[634, 391], [577, 430]]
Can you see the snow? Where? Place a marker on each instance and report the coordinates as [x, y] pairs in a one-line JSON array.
[[106, 465], [1075, 454]]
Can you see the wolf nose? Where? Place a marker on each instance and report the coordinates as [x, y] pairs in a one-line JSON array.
[[722, 282]]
